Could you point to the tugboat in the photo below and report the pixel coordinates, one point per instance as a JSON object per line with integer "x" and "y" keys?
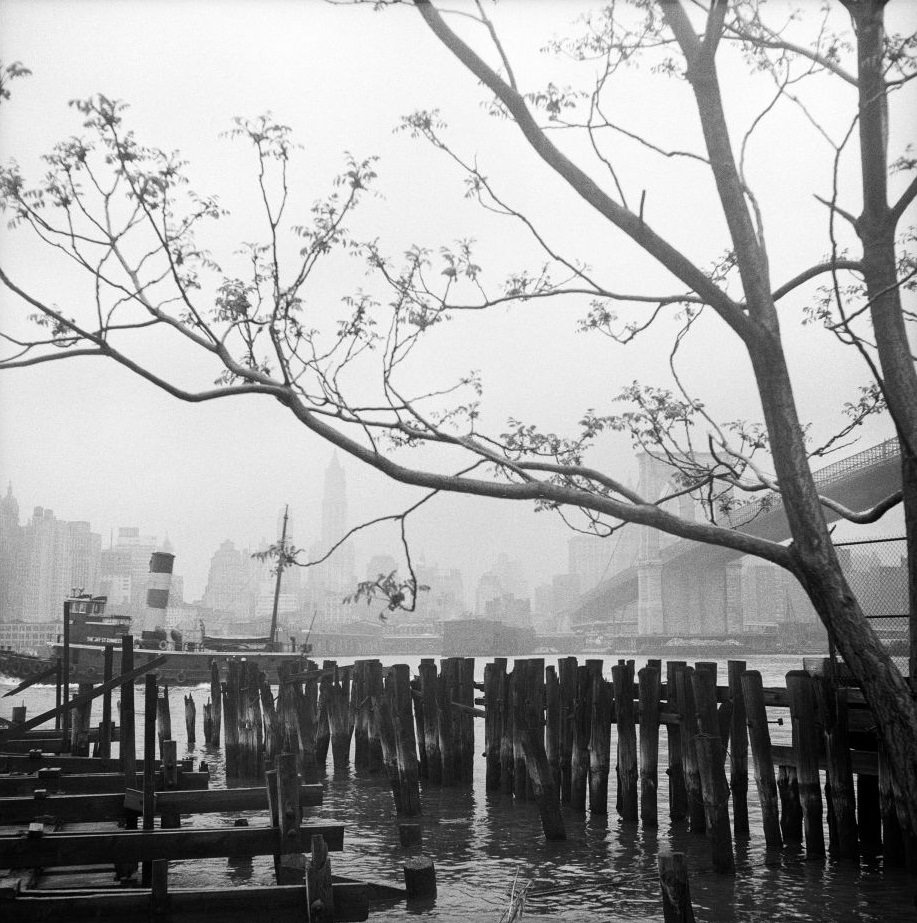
{"x": 87, "y": 629}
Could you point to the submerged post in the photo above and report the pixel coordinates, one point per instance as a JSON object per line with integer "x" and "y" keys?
{"x": 756, "y": 716}
{"x": 676, "y": 892}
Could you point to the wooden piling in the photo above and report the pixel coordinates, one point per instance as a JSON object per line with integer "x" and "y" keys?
{"x": 273, "y": 732}
{"x": 676, "y": 891}
{"x": 399, "y": 691}
{"x": 599, "y": 740}
{"x": 582, "y": 729}
{"x": 359, "y": 717}
{"x": 494, "y": 682}
{"x": 216, "y": 705}
{"x": 374, "y": 689}
{"x": 738, "y": 750}
{"x": 678, "y": 796}
{"x": 759, "y": 734}
{"x": 164, "y": 717}
{"x": 170, "y": 819}
{"x": 790, "y": 808}
{"x": 384, "y": 731}
{"x": 291, "y": 863}
{"x": 839, "y": 788}
{"x": 79, "y": 729}
{"x": 521, "y": 781}
{"x": 207, "y": 720}
{"x": 893, "y": 852}
{"x": 623, "y": 676}
{"x": 553, "y": 746}
{"x": 105, "y": 727}
{"x": 190, "y": 722}
{"x": 420, "y": 878}
{"x": 447, "y": 732}
{"x": 337, "y": 703}
{"x": 428, "y": 686}
{"x": 321, "y": 892}
{"x": 323, "y": 729}
{"x": 649, "y": 744}
{"x": 711, "y": 763}
{"x": 149, "y": 764}
{"x": 127, "y": 740}
{"x": 230, "y": 699}
{"x": 566, "y": 676}
{"x": 688, "y": 723}
{"x": 507, "y": 762}
{"x": 466, "y": 717}
{"x": 544, "y": 792}
{"x": 806, "y": 737}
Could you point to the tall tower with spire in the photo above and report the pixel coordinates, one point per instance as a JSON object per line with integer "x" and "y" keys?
{"x": 335, "y": 577}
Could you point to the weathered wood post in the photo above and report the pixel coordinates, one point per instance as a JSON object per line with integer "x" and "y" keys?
{"x": 892, "y": 838}
{"x": 420, "y": 878}
{"x": 374, "y": 689}
{"x": 738, "y": 750}
{"x": 170, "y": 819}
{"x": 291, "y": 862}
{"x": 79, "y": 730}
{"x": 338, "y": 709}
{"x": 127, "y": 746}
{"x": 623, "y": 676}
{"x": 254, "y": 721}
{"x": 599, "y": 739}
{"x": 649, "y": 745}
{"x": 164, "y": 716}
{"x": 711, "y": 763}
{"x": 521, "y": 780}
{"x": 321, "y": 891}
{"x": 149, "y": 766}
{"x": 229, "y": 695}
{"x": 215, "y": 704}
{"x": 323, "y": 729}
{"x": 833, "y": 700}
{"x": 273, "y": 732}
{"x": 790, "y": 808}
{"x": 190, "y": 721}
{"x": 494, "y": 681}
{"x": 105, "y": 727}
{"x": 466, "y": 717}
{"x": 684, "y": 686}
{"x": 384, "y": 729}
{"x": 553, "y": 745}
{"x": 428, "y": 685}
{"x": 359, "y": 717}
{"x": 207, "y": 720}
{"x": 676, "y": 892}
{"x": 678, "y": 795}
{"x": 507, "y": 761}
{"x": 544, "y": 791}
{"x": 806, "y": 736}
{"x": 756, "y": 716}
{"x": 582, "y": 728}
{"x": 566, "y": 675}
{"x": 449, "y": 756}
{"x": 399, "y": 690}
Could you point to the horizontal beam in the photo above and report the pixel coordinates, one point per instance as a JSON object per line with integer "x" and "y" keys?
{"x": 114, "y": 805}
{"x": 864, "y": 762}
{"x": 27, "y": 762}
{"x": 94, "y": 783}
{"x": 150, "y": 845}
{"x": 278, "y": 903}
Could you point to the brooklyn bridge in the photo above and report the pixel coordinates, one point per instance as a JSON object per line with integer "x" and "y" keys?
{"x": 661, "y": 586}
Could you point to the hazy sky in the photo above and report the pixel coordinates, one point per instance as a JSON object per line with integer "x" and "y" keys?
{"x": 92, "y": 442}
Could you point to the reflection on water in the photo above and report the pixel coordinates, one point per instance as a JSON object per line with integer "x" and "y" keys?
{"x": 606, "y": 870}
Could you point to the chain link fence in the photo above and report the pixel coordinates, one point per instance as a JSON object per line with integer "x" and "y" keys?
{"x": 877, "y": 572}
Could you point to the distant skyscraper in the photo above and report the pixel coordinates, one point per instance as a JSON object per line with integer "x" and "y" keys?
{"x": 336, "y": 576}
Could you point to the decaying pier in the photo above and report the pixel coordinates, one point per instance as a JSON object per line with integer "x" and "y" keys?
{"x": 570, "y": 738}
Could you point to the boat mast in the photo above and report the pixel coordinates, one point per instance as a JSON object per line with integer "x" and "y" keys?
{"x": 281, "y": 561}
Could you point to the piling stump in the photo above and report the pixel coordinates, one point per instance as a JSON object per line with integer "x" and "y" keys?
{"x": 566, "y": 677}
{"x": 676, "y": 891}
{"x": 806, "y": 736}
{"x": 321, "y": 893}
{"x": 649, "y": 745}
{"x": 216, "y": 697}
{"x": 428, "y": 689}
{"x": 688, "y": 723}
{"x": 623, "y": 676}
{"x": 678, "y": 796}
{"x": 420, "y": 878}
{"x": 756, "y": 716}
{"x": 738, "y": 750}
{"x": 582, "y": 729}
{"x": 600, "y": 742}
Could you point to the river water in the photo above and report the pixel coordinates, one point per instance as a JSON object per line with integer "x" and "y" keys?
{"x": 482, "y": 843}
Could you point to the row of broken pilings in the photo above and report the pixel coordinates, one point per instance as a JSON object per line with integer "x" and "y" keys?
{"x": 547, "y": 739}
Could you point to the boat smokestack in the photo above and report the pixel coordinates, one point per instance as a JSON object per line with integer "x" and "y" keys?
{"x": 157, "y": 594}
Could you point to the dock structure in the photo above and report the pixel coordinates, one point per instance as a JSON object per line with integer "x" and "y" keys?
{"x": 548, "y": 733}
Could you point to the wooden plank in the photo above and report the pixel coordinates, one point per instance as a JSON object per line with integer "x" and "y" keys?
{"x": 72, "y": 765}
{"x": 32, "y": 680}
{"x": 280, "y": 904}
{"x": 148, "y": 667}
{"x": 54, "y": 849}
{"x": 865, "y": 762}
{"x": 93, "y": 783}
